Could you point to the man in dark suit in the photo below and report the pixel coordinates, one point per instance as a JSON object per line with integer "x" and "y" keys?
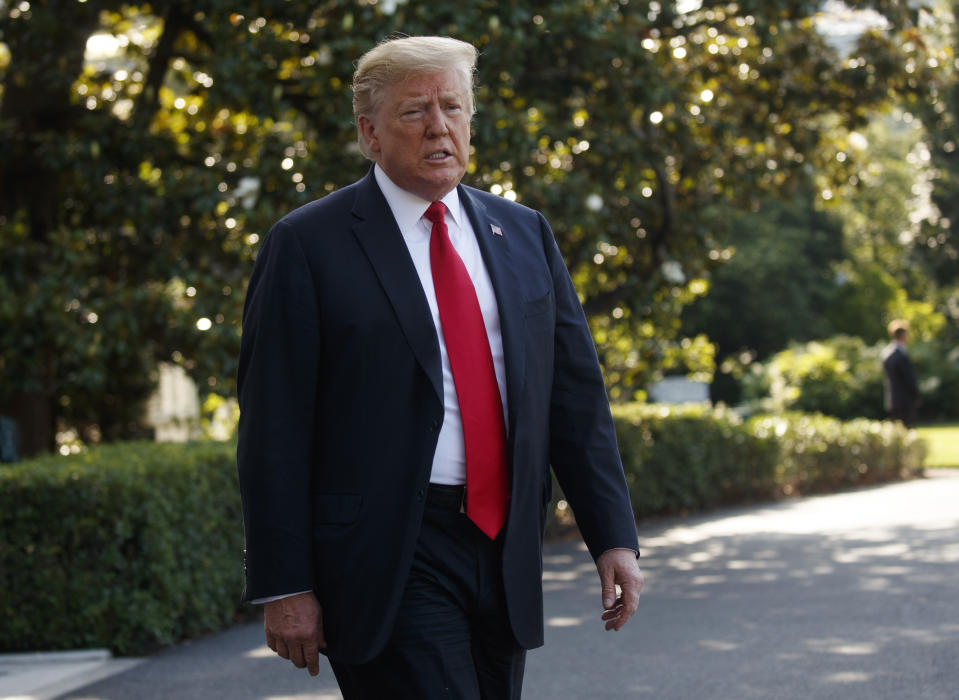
{"x": 414, "y": 359}
{"x": 899, "y": 378}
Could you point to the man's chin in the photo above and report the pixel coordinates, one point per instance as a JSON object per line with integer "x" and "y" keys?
{"x": 437, "y": 187}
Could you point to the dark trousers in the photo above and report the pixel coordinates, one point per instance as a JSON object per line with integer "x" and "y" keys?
{"x": 452, "y": 637}
{"x": 906, "y": 415}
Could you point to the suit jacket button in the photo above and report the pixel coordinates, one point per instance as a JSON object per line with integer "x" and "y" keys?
{"x": 420, "y": 494}
{"x": 435, "y": 426}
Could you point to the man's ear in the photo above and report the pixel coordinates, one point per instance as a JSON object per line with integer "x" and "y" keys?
{"x": 368, "y": 132}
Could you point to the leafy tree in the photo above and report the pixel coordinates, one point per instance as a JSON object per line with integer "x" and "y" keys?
{"x": 841, "y": 377}
{"x": 137, "y": 182}
{"x": 842, "y": 260}
{"x": 779, "y": 277}
{"x": 127, "y": 214}
{"x": 802, "y": 270}
{"x": 938, "y": 241}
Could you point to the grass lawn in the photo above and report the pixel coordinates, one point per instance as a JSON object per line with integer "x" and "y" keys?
{"x": 943, "y": 442}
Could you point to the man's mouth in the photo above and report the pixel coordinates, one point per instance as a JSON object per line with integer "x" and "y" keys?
{"x": 438, "y": 155}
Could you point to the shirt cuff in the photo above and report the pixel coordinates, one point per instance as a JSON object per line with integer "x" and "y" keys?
{"x": 270, "y": 599}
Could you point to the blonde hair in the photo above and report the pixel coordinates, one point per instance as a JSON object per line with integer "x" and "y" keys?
{"x": 394, "y": 60}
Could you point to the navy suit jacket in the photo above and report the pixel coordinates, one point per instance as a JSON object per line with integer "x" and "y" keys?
{"x": 900, "y": 384}
{"x": 341, "y": 399}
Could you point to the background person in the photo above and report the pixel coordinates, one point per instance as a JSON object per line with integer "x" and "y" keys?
{"x": 901, "y": 390}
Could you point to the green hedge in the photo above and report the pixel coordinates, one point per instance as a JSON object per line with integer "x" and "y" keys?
{"x": 136, "y": 545}
{"x": 680, "y": 459}
{"x": 686, "y": 458}
{"x": 820, "y": 454}
{"x": 128, "y": 546}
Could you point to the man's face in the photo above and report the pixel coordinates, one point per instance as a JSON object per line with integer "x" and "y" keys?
{"x": 420, "y": 134}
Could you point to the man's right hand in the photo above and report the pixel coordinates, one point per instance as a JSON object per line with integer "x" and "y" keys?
{"x": 294, "y": 630}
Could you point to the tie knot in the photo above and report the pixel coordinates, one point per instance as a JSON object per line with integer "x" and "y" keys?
{"x": 436, "y": 212}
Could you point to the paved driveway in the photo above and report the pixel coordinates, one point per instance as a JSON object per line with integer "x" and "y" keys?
{"x": 849, "y": 596}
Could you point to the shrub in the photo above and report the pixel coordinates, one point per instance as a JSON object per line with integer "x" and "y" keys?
{"x": 680, "y": 459}
{"x": 685, "y": 458}
{"x": 136, "y": 545}
{"x": 127, "y": 546}
{"x": 820, "y": 454}
{"x": 937, "y": 366}
{"x": 840, "y": 377}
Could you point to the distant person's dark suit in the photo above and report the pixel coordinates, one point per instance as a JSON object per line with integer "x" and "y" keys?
{"x": 341, "y": 403}
{"x": 900, "y": 385}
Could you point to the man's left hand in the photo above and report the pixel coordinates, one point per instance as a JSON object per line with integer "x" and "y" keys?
{"x": 618, "y": 567}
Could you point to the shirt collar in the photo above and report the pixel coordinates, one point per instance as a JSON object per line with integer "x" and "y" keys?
{"x": 407, "y": 207}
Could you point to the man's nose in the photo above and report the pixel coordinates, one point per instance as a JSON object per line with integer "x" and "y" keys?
{"x": 436, "y": 121}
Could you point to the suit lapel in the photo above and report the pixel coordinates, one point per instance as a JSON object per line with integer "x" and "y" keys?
{"x": 381, "y": 240}
{"x": 501, "y": 267}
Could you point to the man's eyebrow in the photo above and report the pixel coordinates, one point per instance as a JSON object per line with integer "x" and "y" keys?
{"x": 413, "y": 101}
{"x": 451, "y": 96}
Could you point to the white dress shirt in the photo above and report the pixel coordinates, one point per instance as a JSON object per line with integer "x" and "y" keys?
{"x": 449, "y": 460}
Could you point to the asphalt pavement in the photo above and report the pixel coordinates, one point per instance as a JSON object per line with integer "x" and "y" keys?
{"x": 847, "y": 596}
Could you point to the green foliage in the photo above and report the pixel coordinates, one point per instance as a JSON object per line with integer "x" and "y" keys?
{"x": 937, "y": 366}
{"x": 813, "y": 268}
{"x": 686, "y": 458}
{"x": 137, "y": 184}
{"x": 842, "y": 377}
{"x": 885, "y": 200}
{"x": 883, "y": 275}
{"x": 141, "y": 543}
{"x": 938, "y": 241}
{"x": 861, "y": 304}
{"x": 127, "y": 546}
{"x": 775, "y": 281}
{"x": 819, "y": 454}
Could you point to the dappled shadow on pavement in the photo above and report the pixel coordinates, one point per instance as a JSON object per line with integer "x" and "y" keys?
{"x": 849, "y": 596}
{"x": 845, "y": 596}
{"x": 234, "y": 665}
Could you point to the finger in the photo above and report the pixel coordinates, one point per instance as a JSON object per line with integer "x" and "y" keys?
{"x": 297, "y": 656}
{"x": 312, "y": 655}
{"x": 623, "y": 614}
{"x": 270, "y": 640}
{"x": 608, "y": 581}
{"x": 606, "y": 567}
{"x": 630, "y": 597}
{"x": 281, "y": 649}
{"x": 617, "y": 619}
{"x": 612, "y": 612}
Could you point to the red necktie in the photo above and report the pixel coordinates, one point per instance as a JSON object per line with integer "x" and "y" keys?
{"x": 484, "y": 430}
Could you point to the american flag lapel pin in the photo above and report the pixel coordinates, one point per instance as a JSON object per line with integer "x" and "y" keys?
{"x": 497, "y": 231}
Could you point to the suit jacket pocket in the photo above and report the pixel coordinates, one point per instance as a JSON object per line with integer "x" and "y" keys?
{"x": 538, "y": 312}
{"x": 336, "y": 508}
